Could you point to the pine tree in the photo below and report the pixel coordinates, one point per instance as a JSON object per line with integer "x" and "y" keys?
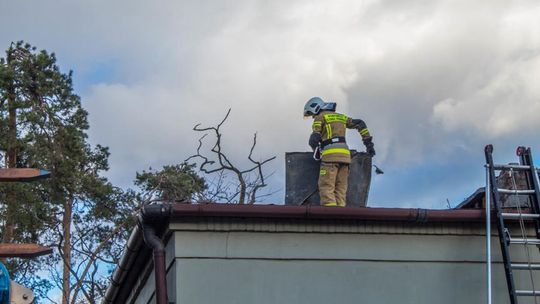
{"x": 43, "y": 125}
{"x": 77, "y": 210}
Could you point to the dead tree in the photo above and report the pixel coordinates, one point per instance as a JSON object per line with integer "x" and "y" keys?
{"x": 250, "y": 180}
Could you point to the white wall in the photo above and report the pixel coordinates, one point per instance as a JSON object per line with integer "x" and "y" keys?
{"x": 229, "y": 261}
{"x": 416, "y": 265}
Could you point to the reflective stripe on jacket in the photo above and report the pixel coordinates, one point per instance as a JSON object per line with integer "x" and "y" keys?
{"x": 332, "y": 125}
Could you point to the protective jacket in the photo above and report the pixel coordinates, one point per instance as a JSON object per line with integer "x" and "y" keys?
{"x": 329, "y": 131}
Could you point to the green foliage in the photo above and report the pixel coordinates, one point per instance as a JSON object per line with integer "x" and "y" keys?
{"x": 173, "y": 183}
{"x": 51, "y": 134}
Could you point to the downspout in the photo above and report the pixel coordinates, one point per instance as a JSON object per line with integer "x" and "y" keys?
{"x": 150, "y": 217}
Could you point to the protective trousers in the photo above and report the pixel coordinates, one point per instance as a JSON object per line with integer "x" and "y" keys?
{"x": 333, "y": 181}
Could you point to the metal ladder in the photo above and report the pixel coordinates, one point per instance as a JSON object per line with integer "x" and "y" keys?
{"x": 506, "y": 240}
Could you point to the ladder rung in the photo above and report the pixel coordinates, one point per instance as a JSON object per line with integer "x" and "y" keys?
{"x": 528, "y": 293}
{"x": 514, "y": 167}
{"x": 510, "y": 191}
{"x": 523, "y": 266}
{"x": 524, "y": 216}
{"x": 525, "y": 241}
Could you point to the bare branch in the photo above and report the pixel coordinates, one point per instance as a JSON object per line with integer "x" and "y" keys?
{"x": 78, "y": 285}
{"x": 260, "y": 182}
{"x": 223, "y": 164}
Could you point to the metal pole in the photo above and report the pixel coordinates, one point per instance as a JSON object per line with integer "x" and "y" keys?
{"x": 488, "y": 233}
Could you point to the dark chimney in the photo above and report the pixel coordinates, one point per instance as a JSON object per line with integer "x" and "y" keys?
{"x": 302, "y": 174}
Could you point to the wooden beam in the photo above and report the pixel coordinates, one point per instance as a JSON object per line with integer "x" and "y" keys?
{"x": 25, "y": 251}
{"x": 22, "y": 174}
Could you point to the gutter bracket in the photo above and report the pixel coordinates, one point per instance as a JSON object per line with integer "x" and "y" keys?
{"x": 422, "y": 216}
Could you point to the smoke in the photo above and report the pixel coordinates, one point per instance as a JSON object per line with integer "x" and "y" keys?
{"x": 434, "y": 80}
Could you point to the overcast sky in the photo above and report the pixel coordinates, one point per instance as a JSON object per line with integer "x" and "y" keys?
{"x": 434, "y": 80}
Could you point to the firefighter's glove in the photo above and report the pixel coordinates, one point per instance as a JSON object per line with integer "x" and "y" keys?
{"x": 370, "y": 150}
{"x": 314, "y": 140}
{"x": 370, "y": 147}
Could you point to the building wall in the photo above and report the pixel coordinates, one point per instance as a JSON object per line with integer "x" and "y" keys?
{"x": 276, "y": 262}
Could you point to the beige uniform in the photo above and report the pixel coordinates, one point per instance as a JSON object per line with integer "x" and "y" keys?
{"x": 335, "y": 156}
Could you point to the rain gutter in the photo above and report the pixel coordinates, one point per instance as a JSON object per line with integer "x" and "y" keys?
{"x": 152, "y": 220}
{"x": 151, "y": 216}
{"x": 317, "y": 212}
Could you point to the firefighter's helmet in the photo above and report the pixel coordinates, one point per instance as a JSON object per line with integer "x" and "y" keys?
{"x": 313, "y": 106}
{"x": 316, "y": 105}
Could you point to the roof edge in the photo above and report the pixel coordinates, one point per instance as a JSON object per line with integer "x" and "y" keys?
{"x": 180, "y": 211}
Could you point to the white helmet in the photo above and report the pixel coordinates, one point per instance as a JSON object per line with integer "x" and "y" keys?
{"x": 316, "y": 104}
{"x": 313, "y": 106}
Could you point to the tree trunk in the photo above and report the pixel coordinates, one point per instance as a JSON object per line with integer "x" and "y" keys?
{"x": 66, "y": 248}
{"x": 243, "y": 189}
{"x": 11, "y": 162}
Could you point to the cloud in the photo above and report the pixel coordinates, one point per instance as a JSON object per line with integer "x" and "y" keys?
{"x": 506, "y": 103}
{"x": 434, "y": 80}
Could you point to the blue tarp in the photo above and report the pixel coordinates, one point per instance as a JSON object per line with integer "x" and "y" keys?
{"x": 4, "y": 284}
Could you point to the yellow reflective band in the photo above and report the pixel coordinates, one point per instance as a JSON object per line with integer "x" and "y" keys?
{"x": 317, "y": 123}
{"x": 330, "y": 204}
{"x": 328, "y": 131}
{"x": 323, "y": 172}
{"x": 364, "y": 131}
{"x": 336, "y": 151}
{"x": 335, "y": 118}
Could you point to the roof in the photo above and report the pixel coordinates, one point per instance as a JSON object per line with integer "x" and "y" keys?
{"x": 137, "y": 256}
{"x": 505, "y": 181}
{"x": 475, "y": 200}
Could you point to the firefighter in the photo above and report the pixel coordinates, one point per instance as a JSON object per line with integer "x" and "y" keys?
{"x": 328, "y": 138}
